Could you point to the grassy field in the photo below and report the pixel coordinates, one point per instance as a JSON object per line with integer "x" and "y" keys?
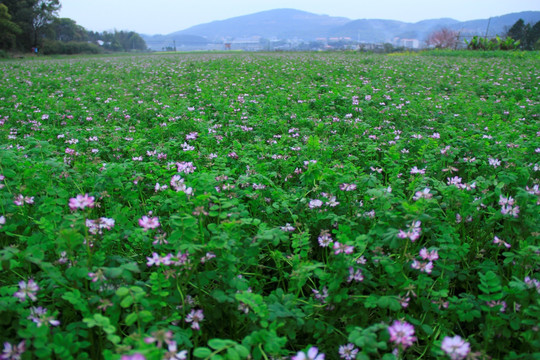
{"x": 269, "y": 206}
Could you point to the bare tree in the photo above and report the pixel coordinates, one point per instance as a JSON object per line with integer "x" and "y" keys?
{"x": 443, "y": 39}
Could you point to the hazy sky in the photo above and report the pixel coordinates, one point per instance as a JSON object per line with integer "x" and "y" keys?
{"x": 166, "y": 16}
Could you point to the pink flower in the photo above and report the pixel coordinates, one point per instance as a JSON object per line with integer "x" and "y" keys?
{"x": 348, "y": 352}
{"x": 500, "y": 242}
{"x": 149, "y": 223}
{"x": 173, "y": 354}
{"x": 27, "y": 289}
{"x": 19, "y": 200}
{"x": 154, "y": 260}
{"x": 355, "y": 275}
{"x": 455, "y": 347}
{"x": 12, "y": 352}
{"x": 194, "y": 317}
{"x": 402, "y": 334}
{"x": 347, "y": 187}
{"x": 315, "y": 203}
{"x": 136, "y": 356}
{"x": 312, "y": 354}
{"x": 429, "y": 255}
{"x": 413, "y": 232}
{"x": 2, "y": 220}
{"x": 81, "y": 202}
{"x": 342, "y": 248}
{"x": 424, "y": 194}
{"x": 38, "y": 315}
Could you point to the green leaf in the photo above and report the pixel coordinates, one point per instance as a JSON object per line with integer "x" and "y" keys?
{"x": 131, "y": 318}
{"x": 123, "y": 291}
{"x": 202, "y": 352}
{"x": 127, "y": 302}
{"x": 232, "y": 354}
{"x": 217, "y": 344}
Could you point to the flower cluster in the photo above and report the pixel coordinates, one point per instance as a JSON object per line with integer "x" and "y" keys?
{"x": 81, "y": 202}
{"x": 20, "y": 200}
{"x": 149, "y": 223}
{"x": 179, "y": 259}
{"x": 402, "y": 334}
{"x": 348, "y": 352}
{"x": 27, "y": 289}
{"x": 425, "y": 266}
{"x": 195, "y": 317}
{"x": 455, "y": 347}
{"x": 312, "y": 354}
{"x": 342, "y": 248}
{"x": 424, "y": 194}
{"x": 177, "y": 183}
{"x": 347, "y": 187}
{"x": 185, "y": 167}
{"x": 39, "y": 316}
{"x": 97, "y": 226}
{"x": 413, "y": 232}
{"x": 13, "y": 352}
{"x": 508, "y": 206}
{"x": 500, "y": 242}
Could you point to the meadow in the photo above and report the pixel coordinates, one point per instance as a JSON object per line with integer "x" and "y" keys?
{"x": 270, "y": 206}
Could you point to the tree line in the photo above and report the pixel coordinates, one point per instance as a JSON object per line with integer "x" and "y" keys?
{"x": 33, "y": 25}
{"x": 520, "y": 36}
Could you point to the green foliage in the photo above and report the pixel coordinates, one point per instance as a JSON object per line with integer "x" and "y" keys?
{"x": 260, "y": 205}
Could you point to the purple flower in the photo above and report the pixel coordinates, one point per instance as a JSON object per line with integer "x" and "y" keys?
{"x": 500, "y": 242}
{"x": 136, "y": 356}
{"x": 13, "y": 352}
{"x": 429, "y": 255}
{"x": 154, "y": 260}
{"x": 402, "y": 334}
{"x": 324, "y": 238}
{"x": 312, "y": 354}
{"x": 173, "y": 354}
{"x": 424, "y": 194}
{"x": 455, "y": 347}
{"x": 347, "y": 187}
{"x": 27, "y": 289}
{"x": 315, "y": 203}
{"x": 194, "y": 317}
{"x": 2, "y": 220}
{"x": 413, "y": 232}
{"x": 348, "y": 352}
{"x": 342, "y": 248}
{"x": 149, "y": 223}
{"x": 81, "y": 202}
{"x": 39, "y": 316}
{"x": 355, "y": 275}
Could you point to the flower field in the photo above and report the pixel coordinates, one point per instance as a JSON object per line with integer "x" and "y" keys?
{"x": 270, "y": 206}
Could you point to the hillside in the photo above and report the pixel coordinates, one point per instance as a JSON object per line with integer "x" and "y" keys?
{"x": 298, "y": 26}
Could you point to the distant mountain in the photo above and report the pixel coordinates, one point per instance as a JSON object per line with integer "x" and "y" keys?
{"x": 497, "y": 25}
{"x": 296, "y": 25}
{"x": 279, "y": 23}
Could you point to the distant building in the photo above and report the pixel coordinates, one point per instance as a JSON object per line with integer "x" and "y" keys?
{"x": 248, "y": 44}
{"x": 407, "y": 43}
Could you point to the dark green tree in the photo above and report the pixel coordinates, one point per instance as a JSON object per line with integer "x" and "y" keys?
{"x": 8, "y": 29}
{"x": 517, "y": 31}
{"x": 32, "y": 16}
{"x": 44, "y": 12}
{"x": 533, "y": 36}
{"x": 64, "y": 29}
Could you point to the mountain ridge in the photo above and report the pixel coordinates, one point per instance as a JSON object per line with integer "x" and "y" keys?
{"x": 297, "y": 25}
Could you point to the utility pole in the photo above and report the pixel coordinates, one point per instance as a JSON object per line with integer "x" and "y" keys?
{"x": 487, "y": 29}
{"x": 174, "y": 43}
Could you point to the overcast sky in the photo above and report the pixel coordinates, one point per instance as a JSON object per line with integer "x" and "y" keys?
{"x": 167, "y": 16}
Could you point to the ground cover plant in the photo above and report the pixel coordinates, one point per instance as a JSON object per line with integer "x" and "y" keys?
{"x": 270, "y": 206}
